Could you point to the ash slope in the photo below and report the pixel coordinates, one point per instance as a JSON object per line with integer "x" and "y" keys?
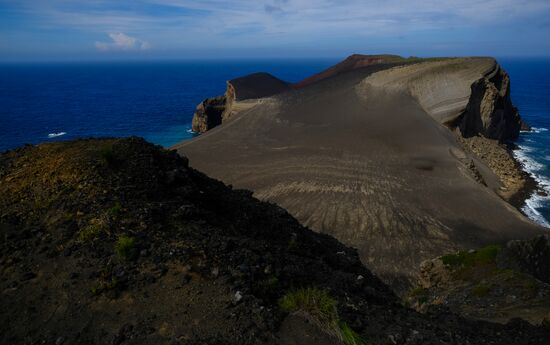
{"x": 206, "y": 264}
{"x": 365, "y": 156}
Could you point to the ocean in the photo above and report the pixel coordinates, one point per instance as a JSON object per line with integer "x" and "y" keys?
{"x": 530, "y": 85}
{"x": 156, "y": 100}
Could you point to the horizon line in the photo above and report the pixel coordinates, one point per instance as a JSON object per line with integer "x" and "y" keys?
{"x": 236, "y": 59}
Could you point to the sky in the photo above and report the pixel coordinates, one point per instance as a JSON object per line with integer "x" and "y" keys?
{"x": 35, "y": 30}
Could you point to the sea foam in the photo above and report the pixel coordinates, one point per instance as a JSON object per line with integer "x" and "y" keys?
{"x": 538, "y": 130}
{"x": 55, "y": 135}
{"x": 533, "y": 168}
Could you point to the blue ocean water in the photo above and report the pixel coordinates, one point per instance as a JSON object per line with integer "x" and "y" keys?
{"x": 530, "y": 83}
{"x": 156, "y": 100}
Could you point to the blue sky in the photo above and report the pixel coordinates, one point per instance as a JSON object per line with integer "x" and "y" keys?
{"x": 181, "y": 29}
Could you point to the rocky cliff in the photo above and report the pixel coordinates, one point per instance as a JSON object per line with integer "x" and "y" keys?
{"x": 495, "y": 283}
{"x": 209, "y": 114}
{"x": 471, "y": 97}
{"x": 530, "y": 257}
{"x": 117, "y": 241}
{"x": 241, "y": 94}
{"x": 490, "y": 112}
{"x": 369, "y": 156}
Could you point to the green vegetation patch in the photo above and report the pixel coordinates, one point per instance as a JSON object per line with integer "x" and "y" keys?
{"x": 267, "y": 286}
{"x": 315, "y": 302}
{"x": 321, "y": 307}
{"x": 95, "y": 229}
{"x": 349, "y": 336}
{"x": 418, "y": 295}
{"x": 125, "y": 247}
{"x": 464, "y": 259}
{"x": 105, "y": 286}
{"x": 418, "y": 291}
{"x": 115, "y": 210}
{"x": 481, "y": 290}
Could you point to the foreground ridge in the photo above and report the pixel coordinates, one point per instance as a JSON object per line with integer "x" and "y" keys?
{"x": 119, "y": 241}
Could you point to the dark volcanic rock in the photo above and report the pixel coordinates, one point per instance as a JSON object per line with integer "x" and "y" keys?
{"x": 256, "y": 85}
{"x": 531, "y": 257}
{"x": 525, "y": 126}
{"x": 214, "y": 272}
{"x": 351, "y": 63}
{"x": 490, "y": 111}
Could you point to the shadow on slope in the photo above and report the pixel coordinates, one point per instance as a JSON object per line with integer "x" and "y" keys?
{"x": 119, "y": 241}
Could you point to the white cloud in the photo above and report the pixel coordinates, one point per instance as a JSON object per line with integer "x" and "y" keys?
{"x": 121, "y": 41}
{"x": 293, "y": 16}
{"x": 215, "y": 24}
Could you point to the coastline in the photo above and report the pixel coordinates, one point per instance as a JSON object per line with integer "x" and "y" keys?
{"x": 512, "y": 166}
{"x": 512, "y": 180}
{"x": 528, "y": 198}
{"x": 530, "y": 186}
{"x": 382, "y": 185}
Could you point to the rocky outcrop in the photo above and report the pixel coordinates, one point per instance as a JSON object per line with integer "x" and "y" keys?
{"x": 241, "y": 94}
{"x": 531, "y": 257}
{"x": 254, "y": 86}
{"x": 525, "y": 126}
{"x": 471, "y": 96}
{"x": 209, "y": 114}
{"x": 490, "y": 111}
{"x": 492, "y": 283}
{"x": 512, "y": 181}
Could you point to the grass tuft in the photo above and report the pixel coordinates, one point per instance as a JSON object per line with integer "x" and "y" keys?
{"x": 349, "y": 336}
{"x": 315, "y": 302}
{"x": 125, "y": 247}
{"x": 115, "y": 210}
{"x": 321, "y": 307}
{"x": 95, "y": 228}
{"x": 105, "y": 286}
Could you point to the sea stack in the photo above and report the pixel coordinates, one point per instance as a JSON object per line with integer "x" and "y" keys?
{"x": 241, "y": 94}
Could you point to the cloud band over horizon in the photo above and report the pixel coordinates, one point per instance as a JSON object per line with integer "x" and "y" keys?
{"x": 214, "y": 28}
